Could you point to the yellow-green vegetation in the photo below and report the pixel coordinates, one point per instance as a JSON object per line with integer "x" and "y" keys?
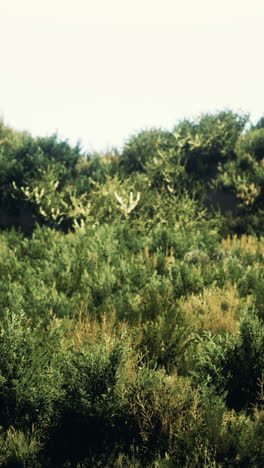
{"x": 132, "y": 299}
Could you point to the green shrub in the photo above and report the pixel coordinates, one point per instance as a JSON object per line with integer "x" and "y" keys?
{"x": 143, "y": 147}
{"x": 93, "y": 421}
{"x": 30, "y": 378}
{"x": 20, "y": 449}
{"x": 234, "y": 365}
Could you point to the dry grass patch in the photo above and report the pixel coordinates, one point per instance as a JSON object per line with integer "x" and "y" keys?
{"x": 214, "y": 309}
{"x": 246, "y": 243}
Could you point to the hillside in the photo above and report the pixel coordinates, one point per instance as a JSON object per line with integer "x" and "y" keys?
{"x": 132, "y": 299}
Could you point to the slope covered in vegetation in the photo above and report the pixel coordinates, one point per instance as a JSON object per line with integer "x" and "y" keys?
{"x": 132, "y": 299}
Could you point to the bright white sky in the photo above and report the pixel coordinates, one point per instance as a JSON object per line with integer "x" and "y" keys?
{"x": 100, "y": 70}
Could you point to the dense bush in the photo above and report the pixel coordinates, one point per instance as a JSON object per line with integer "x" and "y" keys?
{"x": 131, "y": 329}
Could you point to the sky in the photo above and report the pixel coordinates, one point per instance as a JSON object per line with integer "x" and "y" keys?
{"x": 99, "y": 71}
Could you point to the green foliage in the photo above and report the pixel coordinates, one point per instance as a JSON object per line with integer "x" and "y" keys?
{"x": 29, "y": 378}
{"x": 234, "y": 365}
{"x": 244, "y": 175}
{"x": 91, "y": 415}
{"x": 131, "y": 329}
{"x": 252, "y": 143}
{"x": 144, "y": 147}
{"x": 209, "y": 141}
{"x": 19, "y": 449}
{"x": 259, "y": 124}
